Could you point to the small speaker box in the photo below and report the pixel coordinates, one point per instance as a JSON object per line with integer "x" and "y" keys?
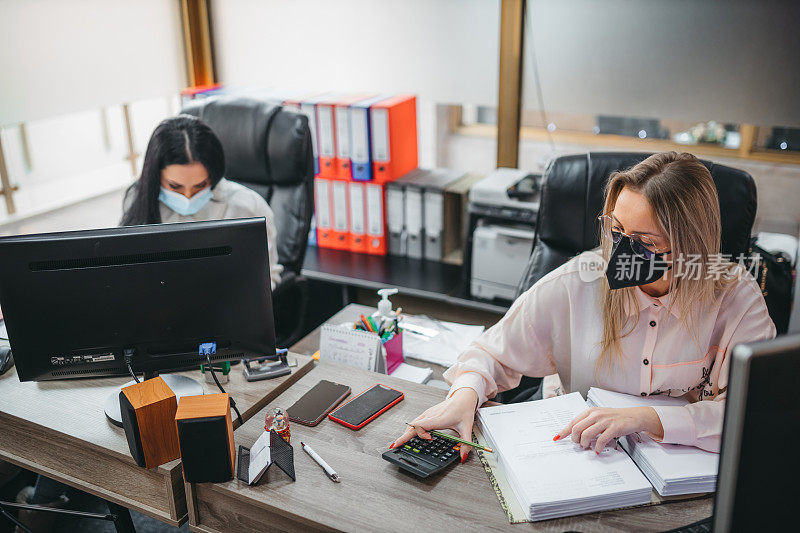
{"x": 148, "y": 410}
{"x": 205, "y": 436}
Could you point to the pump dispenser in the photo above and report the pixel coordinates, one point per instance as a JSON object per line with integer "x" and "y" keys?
{"x": 384, "y": 305}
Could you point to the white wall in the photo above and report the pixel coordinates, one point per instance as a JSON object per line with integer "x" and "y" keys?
{"x": 732, "y": 60}
{"x": 445, "y": 51}
{"x": 59, "y": 57}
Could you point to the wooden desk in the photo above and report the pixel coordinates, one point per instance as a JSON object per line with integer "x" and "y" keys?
{"x": 59, "y": 429}
{"x": 374, "y": 494}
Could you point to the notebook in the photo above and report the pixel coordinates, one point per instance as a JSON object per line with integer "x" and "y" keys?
{"x": 269, "y": 449}
{"x": 259, "y": 459}
{"x": 671, "y": 468}
{"x": 555, "y": 479}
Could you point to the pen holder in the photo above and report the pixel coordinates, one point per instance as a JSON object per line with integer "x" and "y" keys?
{"x": 394, "y": 352}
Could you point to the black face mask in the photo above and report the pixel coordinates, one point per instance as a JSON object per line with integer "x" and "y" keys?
{"x": 626, "y": 269}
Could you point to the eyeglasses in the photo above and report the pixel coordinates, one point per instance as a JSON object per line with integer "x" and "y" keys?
{"x": 641, "y": 245}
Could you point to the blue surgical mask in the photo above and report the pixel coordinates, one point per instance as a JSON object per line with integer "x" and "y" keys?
{"x": 182, "y": 205}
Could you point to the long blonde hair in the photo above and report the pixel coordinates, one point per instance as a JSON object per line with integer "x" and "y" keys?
{"x": 682, "y": 194}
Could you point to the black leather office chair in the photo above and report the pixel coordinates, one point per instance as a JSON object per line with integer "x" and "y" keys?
{"x": 268, "y": 149}
{"x": 572, "y": 199}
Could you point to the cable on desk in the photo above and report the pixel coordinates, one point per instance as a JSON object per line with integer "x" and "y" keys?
{"x": 207, "y": 349}
{"x": 127, "y": 353}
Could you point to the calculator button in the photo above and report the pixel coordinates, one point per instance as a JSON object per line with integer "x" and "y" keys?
{"x": 406, "y": 446}
{"x": 415, "y": 450}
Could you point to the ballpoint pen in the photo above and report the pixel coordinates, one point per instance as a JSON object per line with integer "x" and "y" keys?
{"x": 330, "y": 472}
{"x": 456, "y": 439}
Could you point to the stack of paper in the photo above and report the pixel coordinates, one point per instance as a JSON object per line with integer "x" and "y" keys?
{"x": 436, "y": 341}
{"x": 671, "y": 468}
{"x": 412, "y": 373}
{"x": 554, "y": 479}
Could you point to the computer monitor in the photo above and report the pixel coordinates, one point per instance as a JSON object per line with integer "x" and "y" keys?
{"x": 759, "y": 468}
{"x": 76, "y": 302}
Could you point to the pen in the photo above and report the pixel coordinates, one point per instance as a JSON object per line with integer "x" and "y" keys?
{"x": 330, "y": 472}
{"x": 451, "y": 437}
{"x": 366, "y": 324}
{"x": 372, "y": 324}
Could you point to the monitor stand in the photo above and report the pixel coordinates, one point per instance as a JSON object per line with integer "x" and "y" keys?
{"x": 180, "y": 385}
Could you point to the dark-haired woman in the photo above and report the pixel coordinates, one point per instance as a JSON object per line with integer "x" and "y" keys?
{"x": 182, "y": 181}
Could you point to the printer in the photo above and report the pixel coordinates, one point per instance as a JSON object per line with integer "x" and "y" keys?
{"x": 502, "y": 213}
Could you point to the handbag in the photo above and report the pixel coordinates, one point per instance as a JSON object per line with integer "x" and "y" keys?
{"x": 775, "y": 278}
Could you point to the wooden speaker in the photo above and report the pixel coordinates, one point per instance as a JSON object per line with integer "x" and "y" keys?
{"x": 205, "y": 436}
{"x": 148, "y": 410}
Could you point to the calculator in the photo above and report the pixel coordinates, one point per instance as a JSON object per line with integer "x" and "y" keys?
{"x": 422, "y": 457}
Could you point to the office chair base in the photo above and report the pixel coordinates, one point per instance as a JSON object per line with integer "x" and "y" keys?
{"x": 180, "y": 385}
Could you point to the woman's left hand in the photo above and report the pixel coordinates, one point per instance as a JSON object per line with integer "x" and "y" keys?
{"x": 607, "y": 424}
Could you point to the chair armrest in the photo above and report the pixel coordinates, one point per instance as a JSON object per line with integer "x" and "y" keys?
{"x": 288, "y": 280}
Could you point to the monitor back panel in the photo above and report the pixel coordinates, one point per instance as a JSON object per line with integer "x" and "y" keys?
{"x": 74, "y": 301}
{"x": 759, "y": 463}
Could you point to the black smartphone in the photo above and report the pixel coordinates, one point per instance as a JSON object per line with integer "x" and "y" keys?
{"x": 367, "y": 406}
{"x": 312, "y": 406}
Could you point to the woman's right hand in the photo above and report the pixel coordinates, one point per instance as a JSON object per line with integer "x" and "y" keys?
{"x": 457, "y": 413}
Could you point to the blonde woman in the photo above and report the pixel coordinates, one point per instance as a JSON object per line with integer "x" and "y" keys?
{"x": 662, "y": 320}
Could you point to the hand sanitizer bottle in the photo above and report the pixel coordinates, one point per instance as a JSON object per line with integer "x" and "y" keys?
{"x": 385, "y": 311}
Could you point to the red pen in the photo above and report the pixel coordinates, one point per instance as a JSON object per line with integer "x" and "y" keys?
{"x": 366, "y": 323}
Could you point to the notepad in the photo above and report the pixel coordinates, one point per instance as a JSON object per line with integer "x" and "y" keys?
{"x": 671, "y": 468}
{"x": 554, "y": 479}
{"x": 259, "y": 459}
{"x": 412, "y": 373}
{"x": 269, "y": 449}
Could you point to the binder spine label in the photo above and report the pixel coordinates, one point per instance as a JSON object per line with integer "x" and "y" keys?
{"x": 413, "y": 211}
{"x": 342, "y": 133}
{"x": 374, "y": 210}
{"x": 380, "y": 135}
{"x": 356, "y": 208}
{"x": 339, "y": 206}
{"x": 323, "y": 208}
{"x": 394, "y": 209}
{"x": 359, "y": 135}
{"x": 325, "y": 115}
{"x": 433, "y": 212}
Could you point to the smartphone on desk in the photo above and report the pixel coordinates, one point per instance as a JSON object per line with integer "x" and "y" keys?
{"x": 366, "y": 407}
{"x": 312, "y": 406}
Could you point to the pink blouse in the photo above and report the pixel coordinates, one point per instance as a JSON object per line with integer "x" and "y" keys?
{"x": 556, "y": 327}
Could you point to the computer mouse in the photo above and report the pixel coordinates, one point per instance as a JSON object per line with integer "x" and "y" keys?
{"x": 6, "y": 359}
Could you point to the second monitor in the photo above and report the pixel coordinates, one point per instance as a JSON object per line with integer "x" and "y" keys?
{"x": 87, "y": 303}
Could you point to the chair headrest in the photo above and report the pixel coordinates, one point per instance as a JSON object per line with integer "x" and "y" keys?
{"x": 572, "y": 198}
{"x": 264, "y": 143}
